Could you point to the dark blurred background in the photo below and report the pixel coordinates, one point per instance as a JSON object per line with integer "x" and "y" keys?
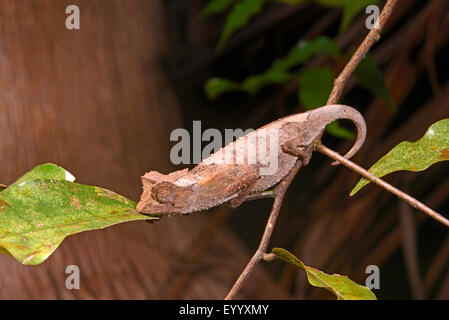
{"x": 102, "y": 101}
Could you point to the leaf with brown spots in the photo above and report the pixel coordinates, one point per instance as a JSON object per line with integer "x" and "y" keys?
{"x": 433, "y": 147}
{"x": 36, "y": 215}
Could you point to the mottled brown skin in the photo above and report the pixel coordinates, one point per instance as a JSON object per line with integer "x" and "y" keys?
{"x": 213, "y": 182}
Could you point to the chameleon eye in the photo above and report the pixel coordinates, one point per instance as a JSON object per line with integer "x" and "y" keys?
{"x": 161, "y": 192}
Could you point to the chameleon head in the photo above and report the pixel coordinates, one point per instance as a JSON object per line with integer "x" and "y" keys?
{"x": 164, "y": 197}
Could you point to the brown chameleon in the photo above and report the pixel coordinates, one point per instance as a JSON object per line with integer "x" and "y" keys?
{"x": 229, "y": 176}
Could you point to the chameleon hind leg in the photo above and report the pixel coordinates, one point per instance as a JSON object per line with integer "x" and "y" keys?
{"x": 244, "y": 188}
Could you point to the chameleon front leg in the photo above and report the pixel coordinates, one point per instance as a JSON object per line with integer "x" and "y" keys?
{"x": 294, "y": 148}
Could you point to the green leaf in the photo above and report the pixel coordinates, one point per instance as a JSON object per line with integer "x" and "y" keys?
{"x": 343, "y": 287}
{"x": 36, "y": 215}
{"x": 335, "y": 129}
{"x": 371, "y": 78}
{"x": 240, "y": 14}
{"x": 351, "y": 8}
{"x": 304, "y": 50}
{"x": 433, "y": 147}
{"x": 315, "y": 86}
{"x": 292, "y": 2}
{"x": 46, "y": 171}
{"x": 278, "y": 72}
{"x": 215, "y": 7}
{"x": 214, "y": 87}
{"x": 43, "y": 171}
{"x": 253, "y": 84}
{"x": 3, "y": 251}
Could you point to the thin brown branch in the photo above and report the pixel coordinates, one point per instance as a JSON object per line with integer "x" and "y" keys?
{"x": 372, "y": 37}
{"x": 368, "y": 175}
{"x": 279, "y": 191}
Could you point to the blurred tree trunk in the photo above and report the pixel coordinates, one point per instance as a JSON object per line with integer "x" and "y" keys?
{"x": 96, "y": 102}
